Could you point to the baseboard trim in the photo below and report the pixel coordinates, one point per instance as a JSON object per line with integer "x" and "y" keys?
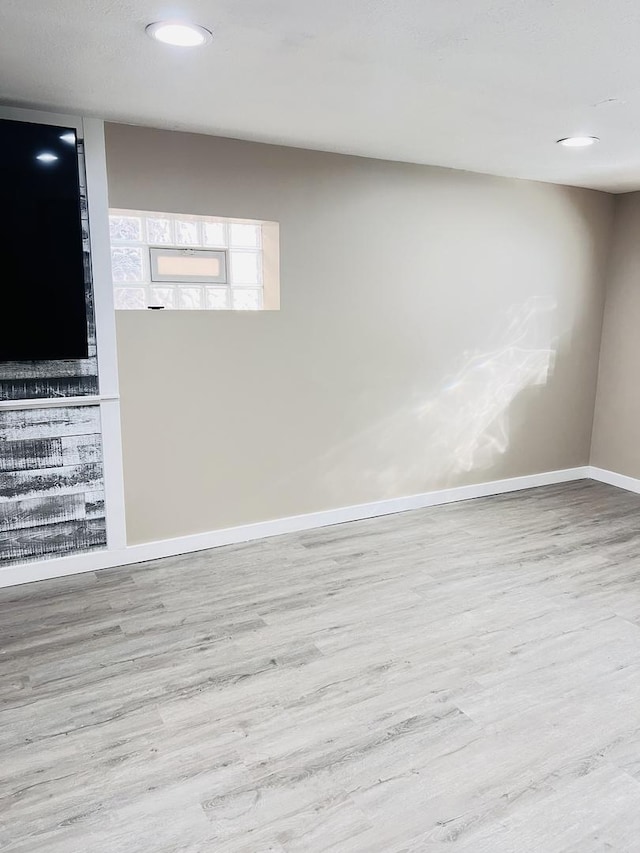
{"x": 96, "y": 560}
{"x": 631, "y": 484}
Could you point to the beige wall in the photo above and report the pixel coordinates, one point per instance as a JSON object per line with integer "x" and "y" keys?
{"x": 616, "y": 431}
{"x": 437, "y": 328}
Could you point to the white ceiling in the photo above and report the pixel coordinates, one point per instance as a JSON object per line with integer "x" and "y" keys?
{"x": 485, "y": 85}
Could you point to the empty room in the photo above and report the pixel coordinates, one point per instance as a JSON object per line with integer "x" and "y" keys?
{"x": 319, "y": 427}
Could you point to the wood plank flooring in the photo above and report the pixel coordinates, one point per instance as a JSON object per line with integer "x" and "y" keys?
{"x": 464, "y": 678}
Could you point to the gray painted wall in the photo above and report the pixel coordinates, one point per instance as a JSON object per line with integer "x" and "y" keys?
{"x": 437, "y": 328}
{"x": 616, "y": 431}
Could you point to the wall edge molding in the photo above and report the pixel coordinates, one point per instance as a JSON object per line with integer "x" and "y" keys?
{"x": 612, "y": 478}
{"x": 95, "y": 560}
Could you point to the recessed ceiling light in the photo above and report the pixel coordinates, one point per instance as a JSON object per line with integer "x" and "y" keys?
{"x": 69, "y": 137}
{"x": 578, "y": 141}
{"x": 178, "y": 33}
{"x": 46, "y": 157}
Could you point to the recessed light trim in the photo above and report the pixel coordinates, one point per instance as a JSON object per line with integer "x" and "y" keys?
{"x": 179, "y": 33}
{"x": 577, "y": 141}
{"x": 47, "y": 157}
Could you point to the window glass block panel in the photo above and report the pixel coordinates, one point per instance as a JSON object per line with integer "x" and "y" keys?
{"x": 244, "y": 235}
{"x": 187, "y": 232}
{"x": 214, "y": 234}
{"x": 217, "y": 298}
{"x": 159, "y": 231}
{"x": 126, "y": 263}
{"x": 247, "y": 299}
{"x": 245, "y": 268}
{"x": 186, "y": 261}
{"x": 129, "y": 297}
{"x": 190, "y": 298}
{"x": 125, "y": 229}
{"x": 165, "y": 296}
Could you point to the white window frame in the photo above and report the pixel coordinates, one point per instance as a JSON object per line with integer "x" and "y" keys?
{"x": 170, "y": 252}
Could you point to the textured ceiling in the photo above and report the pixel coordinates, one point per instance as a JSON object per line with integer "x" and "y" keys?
{"x": 486, "y": 85}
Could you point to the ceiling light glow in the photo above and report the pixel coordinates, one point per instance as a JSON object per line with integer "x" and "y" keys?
{"x": 46, "y": 157}
{"x": 179, "y": 34}
{"x": 69, "y": 137}
{"x": 578, "y": 141}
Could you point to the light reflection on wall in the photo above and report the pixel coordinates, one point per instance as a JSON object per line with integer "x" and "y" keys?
{"x": 462, "y": 426}
{"x": 470, "y": 412}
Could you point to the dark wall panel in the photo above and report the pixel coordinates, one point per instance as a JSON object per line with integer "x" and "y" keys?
{"x": 24, "y": 380}
{"x": 51, "y": 470}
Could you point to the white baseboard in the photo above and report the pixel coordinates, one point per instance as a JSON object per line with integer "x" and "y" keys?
{"x": 631, "y": 484}
{"x": 95, "y": 560}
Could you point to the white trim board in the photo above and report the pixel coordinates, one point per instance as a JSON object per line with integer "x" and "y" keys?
{"x": 631, "y": 484}
{"x": 95, "y": 560}
{"x": 97, "y": 199}
{"x": 53, "y": 402}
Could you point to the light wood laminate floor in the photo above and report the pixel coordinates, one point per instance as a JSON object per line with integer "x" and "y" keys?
{"x": 464, "y": 678}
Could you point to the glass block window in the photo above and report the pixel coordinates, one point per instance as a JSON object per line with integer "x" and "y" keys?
{"x": 193, "y": 263}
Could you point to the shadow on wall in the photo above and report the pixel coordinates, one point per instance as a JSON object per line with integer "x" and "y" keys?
{"x": 463, "y": 426}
